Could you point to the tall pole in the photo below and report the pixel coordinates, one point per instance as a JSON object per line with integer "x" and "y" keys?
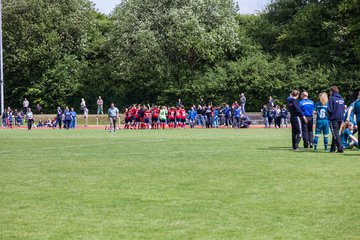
{"x": 1, "y": 62}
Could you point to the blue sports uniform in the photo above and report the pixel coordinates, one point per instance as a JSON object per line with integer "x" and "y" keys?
{"x": 345, "y": 138}
{"x": 351, "y": 118}
{"x": 322, "y": 124}
{"x": 307, "y": 108}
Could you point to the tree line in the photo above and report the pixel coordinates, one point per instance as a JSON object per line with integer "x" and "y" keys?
{"x": 157, "y": 51}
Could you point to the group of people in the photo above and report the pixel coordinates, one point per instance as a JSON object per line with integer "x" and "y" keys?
{"x": 331, "y": 115}
{"x": 276, "y": 114}
{"x": 140, "y": 116}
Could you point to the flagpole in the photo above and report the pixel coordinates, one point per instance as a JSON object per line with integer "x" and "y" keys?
{"x": 1, "y": 62}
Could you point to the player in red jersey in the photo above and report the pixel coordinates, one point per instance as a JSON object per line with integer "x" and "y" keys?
{"x": 128, "y": 119}
{"x": 137, "y": 117}
{"x": 183, "y": 116}
{"x": 178, "y": 117}
{"x": 171, "y": 117}
{"x": 147, "y": 116}
{"x": 133, "y": 115}
{"x": 142, "y": 117}
{"x": 155, "y": 117}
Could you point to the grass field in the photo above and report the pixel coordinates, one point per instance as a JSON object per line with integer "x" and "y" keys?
{"x": 174, "y": 184}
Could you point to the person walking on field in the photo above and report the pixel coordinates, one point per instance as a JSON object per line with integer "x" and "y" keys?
{"x": 113, "y": 114}
{"x": 295, "y": 118}
{"x": 242, "y": 102}
{"x": 29, "y": 118}
{"x": 336, "y": 110}
{"x": 100, "y": 104}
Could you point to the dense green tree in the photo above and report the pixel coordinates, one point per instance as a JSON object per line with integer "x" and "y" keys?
{"x": 44, "y": 47}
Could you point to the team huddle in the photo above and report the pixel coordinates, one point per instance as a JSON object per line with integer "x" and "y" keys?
{"x": 331, "y": 115}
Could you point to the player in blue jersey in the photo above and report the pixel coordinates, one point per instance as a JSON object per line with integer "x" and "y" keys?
{"x": 322, "y": 121}
{"x": 73, "y": 119}
{"x": 307, "y": 108}
{"x": 357, "y": 115}
{"x": 347, "y": 138}
{"x": 349, "y": 116}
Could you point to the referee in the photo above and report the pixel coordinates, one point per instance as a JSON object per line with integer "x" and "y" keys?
{"x": 336, "y": 110}
{"x": 295, "y": 118}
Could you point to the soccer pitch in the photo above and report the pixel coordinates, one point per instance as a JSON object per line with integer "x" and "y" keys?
{"x": 174, "y": 184}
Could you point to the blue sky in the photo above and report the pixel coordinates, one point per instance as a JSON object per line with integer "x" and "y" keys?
{"x": 246, "y": 6}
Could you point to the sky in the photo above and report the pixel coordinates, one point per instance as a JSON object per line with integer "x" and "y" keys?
{"x": 246, "y": 6}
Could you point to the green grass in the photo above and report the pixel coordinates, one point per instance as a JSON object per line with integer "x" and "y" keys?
{"x": 180, "y": 184}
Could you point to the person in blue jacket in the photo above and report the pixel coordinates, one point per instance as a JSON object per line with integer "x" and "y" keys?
{"x": 237, "y": 113}
{"x": 227, "y": 112}
{"x": 307, "y": 108}
{"x": 216, "y": 118}
{"x": 336, "y": 110}
{"x": 73, "y": 119}
{"x": 192, "y": 114}
{"x": 67, "y": 118}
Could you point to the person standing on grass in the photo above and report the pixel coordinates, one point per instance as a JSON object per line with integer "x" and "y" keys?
{"x": 277, "y": 116}
{"x": 67, "y": 117}
{"x": 242, "y": 102}
{"x": 265, "y": 114}
{"x": 322, "y": 121}
{"x": 295, "y": 118}
{"x": 357, "y": 115}
{"x": 284, "y": 116}
{"x": 113, "y": 114}
{"x": 100, "y": 104}
{"x": 162, "y": 115}
{"x": 25, "y": 105}
{"x": 29, "y": 118}
{"x": 4, "y": 117}
{"x": 59, "y": 115}
{"x": 73, "y": 118}
{"x": 271, "y": 115}
{"x": 336, "y": 110}
{"x": 307, "y": 107}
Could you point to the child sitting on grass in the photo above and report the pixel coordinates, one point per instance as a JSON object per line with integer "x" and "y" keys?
{"x": 347, "y": 138}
